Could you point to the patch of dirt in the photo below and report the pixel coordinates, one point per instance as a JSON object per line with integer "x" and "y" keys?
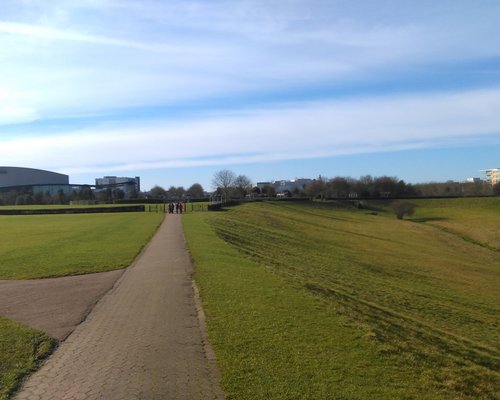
{"x": 54, "y": 305}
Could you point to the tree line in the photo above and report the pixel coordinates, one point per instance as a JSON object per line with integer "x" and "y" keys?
{"x": 392, "y": 187}
{"x": 195, "y": 191}
{"x": 27, "y": 196}
{"x": 228, "y": 185}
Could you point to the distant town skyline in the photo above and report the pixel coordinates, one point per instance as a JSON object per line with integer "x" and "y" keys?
{"x": 175, "y": 91}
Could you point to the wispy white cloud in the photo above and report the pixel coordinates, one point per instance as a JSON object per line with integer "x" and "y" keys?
{"x": 288, "y": 132}
{"x": 82, "y": 57}
{"x": 13, "y": 109}
{"x": 51, "y": 33}
{"x": 79, "y": 56}
{"x": 10, "y": 114}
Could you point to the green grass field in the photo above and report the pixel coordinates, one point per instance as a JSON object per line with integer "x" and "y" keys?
{"x": 40, "y": 246}
{"x": 325, "y": 302}
{"x": 21, "y": 350}
{"x": 475, "y": 220}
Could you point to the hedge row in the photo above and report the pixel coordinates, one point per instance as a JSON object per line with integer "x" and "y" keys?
{"x": 87, "y": 210}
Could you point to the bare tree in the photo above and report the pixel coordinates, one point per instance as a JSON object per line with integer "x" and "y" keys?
{"x": 157, "y": 192}
{"x": 195, "y": 191}
{"x": 496, "y": 189}
{"x": 175, "y": 192}
{"x": 224, "y": 180}
{"x": 317, "y": 188}
{"x": 269, "y": 191}
{"x": 340, "y": 187}
{"x": 242, "y": 185}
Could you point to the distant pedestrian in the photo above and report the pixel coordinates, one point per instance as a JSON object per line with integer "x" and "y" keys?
{"x": 177, "y": 208}
{"x": 181, "y": 207}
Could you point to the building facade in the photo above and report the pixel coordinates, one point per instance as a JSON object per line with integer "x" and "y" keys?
{"x": 286, "y": 185}
{"x": 492, "y": 175}
{"x": 129, "y": 186}
{"x": 30, "y": 185}
{"x": 34, "y": 180}
{"x": 291, "y": 185}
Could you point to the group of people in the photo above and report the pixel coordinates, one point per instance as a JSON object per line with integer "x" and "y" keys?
{"x": 177, "y": 207}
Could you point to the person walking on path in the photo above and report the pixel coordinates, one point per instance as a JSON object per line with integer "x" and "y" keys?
{"x": 143, "y": 340}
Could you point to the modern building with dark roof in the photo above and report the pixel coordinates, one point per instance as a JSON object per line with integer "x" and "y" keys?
{"x": 17, "y": 176}
{"x": 30, "y": 181}
{"x": 19, "y": 181}
{"x": 37, "y": 180}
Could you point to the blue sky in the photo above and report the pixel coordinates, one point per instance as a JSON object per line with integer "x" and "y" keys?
{"x": 174, "y": 91}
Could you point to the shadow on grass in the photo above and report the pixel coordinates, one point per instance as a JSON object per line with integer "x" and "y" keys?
{"x": 427, "y": 219}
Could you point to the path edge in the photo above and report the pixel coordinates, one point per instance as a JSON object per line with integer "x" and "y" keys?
{"x": 208, "y": 350}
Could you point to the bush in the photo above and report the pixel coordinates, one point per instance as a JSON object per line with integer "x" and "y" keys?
{"x": 402, "y": 208}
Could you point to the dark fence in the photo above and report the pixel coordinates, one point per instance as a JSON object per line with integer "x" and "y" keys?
{"x": 88, "y": 210}
{"x": 197, "y": 206}
{"x": 219, "y": 206}
{"x": 157, "y": 208}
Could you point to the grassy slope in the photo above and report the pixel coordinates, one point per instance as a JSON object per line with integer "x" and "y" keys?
{"x": 476, "y": 220}
{"x": 36, "y": 246}
{"x": 421, "y": 303}
{"x": 275, "y": 341}
{"x": 21, "y": 349}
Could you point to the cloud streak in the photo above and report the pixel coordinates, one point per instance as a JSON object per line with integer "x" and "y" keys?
{"x": 50, "y": 33}
{"x": 101, "y": 55}
{"x": 292, "y": 131}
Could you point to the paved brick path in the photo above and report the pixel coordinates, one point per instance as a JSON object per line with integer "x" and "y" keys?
{"x": 143, "y": 340}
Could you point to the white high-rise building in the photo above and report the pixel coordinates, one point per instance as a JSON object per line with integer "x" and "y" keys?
{"x": 492, "y": 175}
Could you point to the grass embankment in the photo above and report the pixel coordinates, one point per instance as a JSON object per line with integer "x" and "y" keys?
{"x": 475, "y": 220}
{"x": 40, "y": 246}
{"x": 21, "y": 350}
{"x": 319, "y": 302}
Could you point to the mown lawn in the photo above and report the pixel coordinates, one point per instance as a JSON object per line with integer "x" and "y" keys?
{"x": 476, "y": 220}
{"x": 40, "y": 246}
{"x": 322, "y": 302}
{"x": 21, "y": 350}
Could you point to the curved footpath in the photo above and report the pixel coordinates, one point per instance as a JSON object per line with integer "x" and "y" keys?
{"x": 143, "y": 340}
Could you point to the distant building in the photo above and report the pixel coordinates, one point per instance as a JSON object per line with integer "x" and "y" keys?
{"x": 291, "y": 185}
{"x": 492, "y": 175}
{"x": 33, "y": 180}
{"x": 262, "y": 185}
{"x": 473, "y": 180}
{"x": 30, "y": 181}
{"x": 129, "y": 186}
{"x": 286, "y": 185}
